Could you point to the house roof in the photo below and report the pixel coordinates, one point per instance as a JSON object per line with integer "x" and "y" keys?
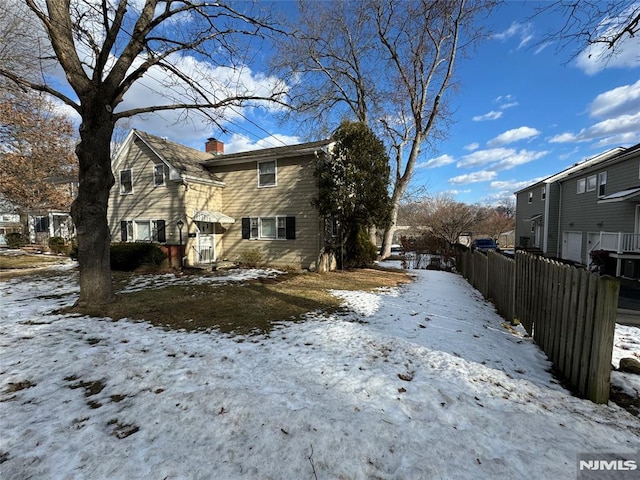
{"x": 269, "y": 153}
{"x": 185, "y": 160}
{"x": 578, "y": 167}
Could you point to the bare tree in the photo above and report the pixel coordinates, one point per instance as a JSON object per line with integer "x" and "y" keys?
{"x": 496, "y": 221}
{"x": 449, "y": 219}
{"x": 386, "y": 62}
{"x": 604, "y": 23}
{"x": 104, "y": 49}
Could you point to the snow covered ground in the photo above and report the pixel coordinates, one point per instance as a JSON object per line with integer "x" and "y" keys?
{"x": 421, "y": 381}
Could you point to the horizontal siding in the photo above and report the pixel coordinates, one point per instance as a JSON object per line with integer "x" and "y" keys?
{"x": 292, "y": 196}
{"x": 582, "y": 213}
{"x": 200, "y": 198}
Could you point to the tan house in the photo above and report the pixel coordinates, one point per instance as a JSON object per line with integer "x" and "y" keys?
{"x": 226, "y": 205}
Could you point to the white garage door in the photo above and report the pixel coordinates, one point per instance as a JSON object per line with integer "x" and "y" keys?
{"x": 572, "y": 246}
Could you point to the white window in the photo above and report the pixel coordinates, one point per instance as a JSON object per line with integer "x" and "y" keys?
{"x": 582, "y": 185}
{"x": 530, "y": 197}
{"x": 602, "y": 180}
{"x": 267, "y": 174}
{"x": 143, "y": 231}
{"x": 126, "y": 181}
{"x": 544, "y": 192}
{"x": 270, "y": 228}
{"x": 591, "y": 183}
{"x": 159, "y": 174}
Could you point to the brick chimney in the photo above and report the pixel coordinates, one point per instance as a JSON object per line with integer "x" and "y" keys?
{"x": 214, "y": 146}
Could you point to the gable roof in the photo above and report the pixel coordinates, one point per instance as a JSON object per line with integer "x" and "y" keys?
{"x": 577, "y": 167}
{"x": 183, "y": 162}
{"x": 288, "y": 151}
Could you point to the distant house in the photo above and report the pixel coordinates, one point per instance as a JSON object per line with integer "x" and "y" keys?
{"x": 37, "y": 226}
{"x": 227, "y": 205}
{"x": 593, "y": 205}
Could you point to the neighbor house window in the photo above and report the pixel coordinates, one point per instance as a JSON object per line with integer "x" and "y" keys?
{"x": 544, "y": 193}
{"x": 269, "y": 228}
{"x": 530, "y": 197}
{"x": 126, "y": 181}
{"x": 267, "y": 174}
{"x": 602, "y": 181}
{"x": 159, "y": 174}
{"x": 591, "y": 183}
{"x": 582, "y": 185}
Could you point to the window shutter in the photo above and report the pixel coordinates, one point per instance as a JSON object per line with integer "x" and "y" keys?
{"x": 246, "y": 228}
{"x": 160, "y": 226}
{"x": 291, "y": 228}
{"x": 123, "y": 231}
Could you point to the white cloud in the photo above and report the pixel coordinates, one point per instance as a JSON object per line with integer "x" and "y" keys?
{"x": 522, "y": 31}
{"x": 240, "y": 143}
{"x": 472, "y": 146}
{"x": 492, "y": 115}
{"x": 509, "y": 105}
{"x": 440, "y": 161}
{"x": 513, "y": 135}
{"x": 513, "y": 185}
{"x": 614, "y": 126}
{"x": 496, "y": 159}
{"x": 620, "y": 100}
{"x": 597, "y": 57}
{"x": 520, "y": 158}
{"x": 484, "y": 157}
{"x": 628, "y": 138}
{"x": 476, "y": 177}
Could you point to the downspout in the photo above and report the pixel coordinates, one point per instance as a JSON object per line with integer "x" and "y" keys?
{"x": 545, "y": 231}
{"x": 558, "y": 246}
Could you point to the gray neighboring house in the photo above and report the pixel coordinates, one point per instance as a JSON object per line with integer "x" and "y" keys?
{"x": 593, "y": 205}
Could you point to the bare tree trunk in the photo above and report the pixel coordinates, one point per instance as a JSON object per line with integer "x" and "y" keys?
{"x": 89, "y": 209}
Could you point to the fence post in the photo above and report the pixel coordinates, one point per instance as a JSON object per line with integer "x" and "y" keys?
{"x": 602, "y": 340}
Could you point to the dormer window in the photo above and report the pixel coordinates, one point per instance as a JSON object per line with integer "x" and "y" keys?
{"x": 267, "y": 174}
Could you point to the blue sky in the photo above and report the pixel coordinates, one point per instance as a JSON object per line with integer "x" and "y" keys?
{"x": 523, "y": 110}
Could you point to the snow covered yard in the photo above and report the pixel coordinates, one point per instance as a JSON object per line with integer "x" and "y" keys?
{"x": 420, "y": 381}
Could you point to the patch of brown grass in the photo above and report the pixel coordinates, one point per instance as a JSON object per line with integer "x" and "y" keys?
{"x": 246, "y": 307}
{"x": 28, "y": 261}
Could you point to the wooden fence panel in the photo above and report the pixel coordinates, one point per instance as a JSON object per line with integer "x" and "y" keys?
{"x": 569, "y": 312}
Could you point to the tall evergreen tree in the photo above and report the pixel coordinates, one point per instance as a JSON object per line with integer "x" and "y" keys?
{"x": 354, "y": 191}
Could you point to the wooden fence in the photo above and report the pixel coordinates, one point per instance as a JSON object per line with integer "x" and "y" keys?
{"x": 569, "y": 312}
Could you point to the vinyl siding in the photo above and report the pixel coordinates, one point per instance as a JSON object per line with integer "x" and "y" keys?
{"x": 524, "y": 209}
{"x": 292, "y": 196}
{"x": 582, "y": 213}
{"x": 170, "y": 202}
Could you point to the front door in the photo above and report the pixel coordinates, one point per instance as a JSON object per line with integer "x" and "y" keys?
{"x": 206, "y": 244}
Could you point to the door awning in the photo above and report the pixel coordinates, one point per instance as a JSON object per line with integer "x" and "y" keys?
{"x": 212, "y": 217}
{"x": 533, "y": 218}
{"x": 621, "y": 196}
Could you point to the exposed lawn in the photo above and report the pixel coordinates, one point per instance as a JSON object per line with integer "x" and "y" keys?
{"x": 27, "y": 261}
{"x": 247, "y": 307}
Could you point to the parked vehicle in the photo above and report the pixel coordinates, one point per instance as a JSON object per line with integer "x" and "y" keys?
{"x": 484, "y": 245}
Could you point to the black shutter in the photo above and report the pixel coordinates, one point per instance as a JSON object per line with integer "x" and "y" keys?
{"x": 291, "y": 228}
{"x": 123, "y": 231}
{"x": 246, "y": 228}
{"x": 162, "y": 236}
